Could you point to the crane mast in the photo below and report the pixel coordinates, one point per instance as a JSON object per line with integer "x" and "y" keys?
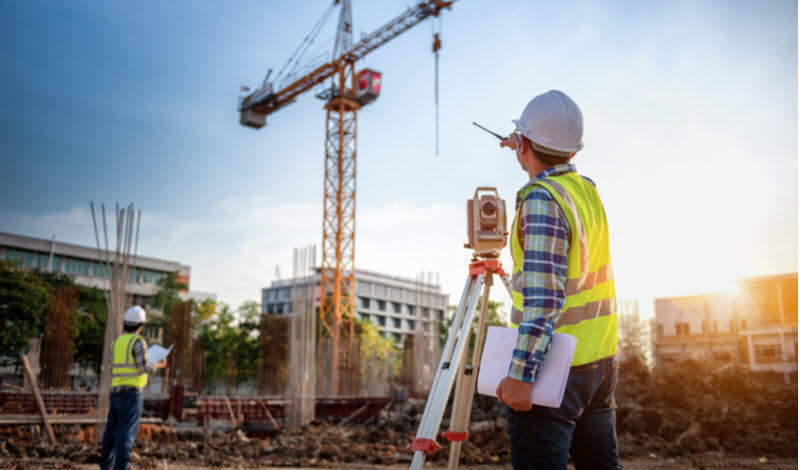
{"x": 337, "y": 294}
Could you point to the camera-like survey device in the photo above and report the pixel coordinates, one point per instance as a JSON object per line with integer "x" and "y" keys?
{"x": 486, "y": 223}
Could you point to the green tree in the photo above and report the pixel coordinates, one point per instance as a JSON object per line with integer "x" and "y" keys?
{"x": 23, "y": 305}
{"x": 230, "y": 342}
{"x": 494, "y": 317}
{"x": 376, "y": 350}
{"x": 92, "y": 315}
{"x": 169, "y": 287}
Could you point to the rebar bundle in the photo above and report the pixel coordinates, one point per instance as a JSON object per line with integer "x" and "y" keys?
{"x": 273, "y": 357}
{"x": 58, "y": 342}
{"x": 302, "y": 340}
{"x": 114, "y": 267}
{"x": 179, "y": 325}
{"x": 197, "y": 364}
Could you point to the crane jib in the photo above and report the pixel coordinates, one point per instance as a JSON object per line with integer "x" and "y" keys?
{"x": 268, "y": 103}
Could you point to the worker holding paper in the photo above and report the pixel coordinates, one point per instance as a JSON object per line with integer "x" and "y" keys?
{"x": 130, "y": 365}
{"x": 562, "y": 282}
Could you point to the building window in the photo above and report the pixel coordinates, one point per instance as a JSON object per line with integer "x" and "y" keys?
{"x": 25, "y": 257}
{"x": 425, "y": 312}
{"x": 381, "y": 320}
{"x": 396, "y": 307}
{"x": 364, "y": 302}
{"x": 364, "y": 317}
{"x": 411, "y": 309}
{"x": 744, "y": 323}
{"x": 659, "y": 330}
{"x": 715, "y": 326}
{"x": 410, "y": 324}
{"x": 396, "y": 322}
{"x": 767, "y": 350}
{"x": 681, "y": 328}
{"x": 382, "y": 305}
{"x": 398, "y": 337}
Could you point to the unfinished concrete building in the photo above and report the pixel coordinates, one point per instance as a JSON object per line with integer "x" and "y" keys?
{"x": 756, "y": 327}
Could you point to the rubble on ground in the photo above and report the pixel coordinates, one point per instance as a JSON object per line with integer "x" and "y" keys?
{"x": 683, "y": 410}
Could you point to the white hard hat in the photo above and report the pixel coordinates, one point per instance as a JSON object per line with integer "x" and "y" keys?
{"x": 135, "y": 314}
{"x": 553, "y": 122}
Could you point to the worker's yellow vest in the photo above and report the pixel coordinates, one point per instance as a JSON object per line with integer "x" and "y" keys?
{"x": 590, "y": 309}
{"x": 123, "y": 368}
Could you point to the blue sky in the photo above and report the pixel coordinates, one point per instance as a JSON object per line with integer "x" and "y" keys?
{"x": 690, "y": 110}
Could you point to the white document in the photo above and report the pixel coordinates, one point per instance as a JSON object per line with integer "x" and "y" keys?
{"x": 551, "y": 381}
{"x": 157, "y": 353}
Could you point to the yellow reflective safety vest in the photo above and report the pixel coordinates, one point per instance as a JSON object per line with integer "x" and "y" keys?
{"x": 123, "y": 366}
{"x": 590, "y": 308}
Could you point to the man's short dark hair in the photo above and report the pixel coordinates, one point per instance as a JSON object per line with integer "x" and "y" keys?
{"x": 545, "y": 158}
{"x": 131, "y": 327}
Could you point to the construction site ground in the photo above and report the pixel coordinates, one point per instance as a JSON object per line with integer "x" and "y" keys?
{"x": 684, "y": 416}
{"x": 697, "y": 463}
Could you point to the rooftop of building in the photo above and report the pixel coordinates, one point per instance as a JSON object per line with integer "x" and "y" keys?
{"x": 70, "y": 249}
{"x": 365, "y": 275}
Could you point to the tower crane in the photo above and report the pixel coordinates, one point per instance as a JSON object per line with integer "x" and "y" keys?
{"x": 348, "y": 93}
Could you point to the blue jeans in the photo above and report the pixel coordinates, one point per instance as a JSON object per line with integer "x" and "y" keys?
{"x": 124, "y": 413}
{"x": 583, "y": 427}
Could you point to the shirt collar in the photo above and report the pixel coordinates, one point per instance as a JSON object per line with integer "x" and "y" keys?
{"x": 552, "y": 171}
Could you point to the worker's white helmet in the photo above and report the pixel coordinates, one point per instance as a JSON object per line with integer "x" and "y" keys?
{"x": 553, "y": 123}
{"x": 135, "y": 314}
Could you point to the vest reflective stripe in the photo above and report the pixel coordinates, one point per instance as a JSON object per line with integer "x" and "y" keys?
{"x": 123, "y": 367}
{"x": 589, "y": 311}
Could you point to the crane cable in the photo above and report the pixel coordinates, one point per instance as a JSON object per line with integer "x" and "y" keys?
{"x": 436, "y": 27}
{"x": 307, "y": 41}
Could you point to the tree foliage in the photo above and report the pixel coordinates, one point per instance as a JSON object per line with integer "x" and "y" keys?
{"x": 24, "y": 295}
{"x": 23, "y": 304}
{"x": 169, "y": 287}
{"x": 230, "y": 342}
{"x": 92, "y": 315}
{"x": 494, "y": 317}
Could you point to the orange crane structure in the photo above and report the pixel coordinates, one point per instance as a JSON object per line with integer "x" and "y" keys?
{"x": 348, "y": 93}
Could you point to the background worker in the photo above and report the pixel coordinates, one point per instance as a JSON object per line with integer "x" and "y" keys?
{"x": 130, "y": 365}
{"x": 562, "y": 282}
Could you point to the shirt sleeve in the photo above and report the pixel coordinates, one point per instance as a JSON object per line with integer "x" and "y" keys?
{"x": 545, "y": 241}
{"x": 141, "y": 357}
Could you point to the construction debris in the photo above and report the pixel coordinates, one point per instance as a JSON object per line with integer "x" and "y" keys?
{"x": 685, "y": 411}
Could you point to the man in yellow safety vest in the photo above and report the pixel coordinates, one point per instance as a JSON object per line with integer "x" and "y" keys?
{"x": 563, "y": 282}
{"x": 130, "y": 365}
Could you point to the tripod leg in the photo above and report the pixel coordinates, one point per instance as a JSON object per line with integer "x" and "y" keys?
{"x": 465, "y": 387}
{"x": 425, "y": 443}
{"x": 447, "y": 351}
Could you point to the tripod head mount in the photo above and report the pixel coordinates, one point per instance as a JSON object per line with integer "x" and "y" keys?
{"x": 486, "y": 224}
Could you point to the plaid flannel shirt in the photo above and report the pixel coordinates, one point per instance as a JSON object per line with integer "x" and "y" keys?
{"x": 544, "y": 236}
{"x": 142, "y": 360}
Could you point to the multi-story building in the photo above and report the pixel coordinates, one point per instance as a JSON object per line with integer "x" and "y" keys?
{"x": 398, "y": 306}
{"x": 756, "y": 328}
{"x": 85, "y": 266}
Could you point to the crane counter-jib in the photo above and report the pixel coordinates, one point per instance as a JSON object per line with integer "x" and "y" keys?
{"x": 256, "y": 106}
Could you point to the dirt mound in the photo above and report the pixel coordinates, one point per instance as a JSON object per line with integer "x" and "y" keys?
{"x": 689, "y": 408}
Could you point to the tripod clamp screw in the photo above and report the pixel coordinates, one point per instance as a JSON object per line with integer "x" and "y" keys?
{"x": 455, "y": 436}
{"x": 426, "y": 445}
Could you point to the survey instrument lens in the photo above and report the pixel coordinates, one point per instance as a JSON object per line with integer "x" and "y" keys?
{"x": 486, "y": 223}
